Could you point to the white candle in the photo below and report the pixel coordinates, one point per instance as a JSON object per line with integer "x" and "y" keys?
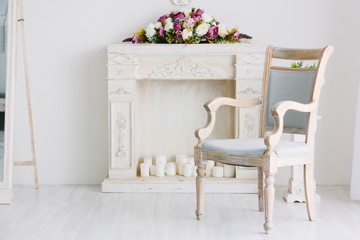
{"x": 171, "y": 169}
{"x": 229, "y": 171}
{"x": 152, "y": 170}
{"x": 194, "y": 172}
{"x": 179, "y": 158}
{"x": 209, "y": 166}
{"x": 218, "y": 172}
{"x": 160, "y": 170}
{"x": 219, "y": 164}
{"x": 144, "y": 169}
{"x": 148, "y": 160}
{"x": 187, "y": 169}
{"x": 191, "y": 160}
{"x": 160, "y": 159}
{"x": 180, "y": 165}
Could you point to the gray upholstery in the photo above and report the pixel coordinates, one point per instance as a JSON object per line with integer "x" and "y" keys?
{"x": 255, "y": 147}
{"x": 289, "y": 85}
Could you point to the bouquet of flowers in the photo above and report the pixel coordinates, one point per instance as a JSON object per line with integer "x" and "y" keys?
{"x": 195, "y": 26}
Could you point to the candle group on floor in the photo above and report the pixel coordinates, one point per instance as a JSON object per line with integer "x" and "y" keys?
{"x": 184, "y": 166}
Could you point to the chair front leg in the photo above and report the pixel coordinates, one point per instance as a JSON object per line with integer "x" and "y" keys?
{"x": 269, "y": 168}
{"x": 261, "y": 189}
{"x": 199, "y": 184}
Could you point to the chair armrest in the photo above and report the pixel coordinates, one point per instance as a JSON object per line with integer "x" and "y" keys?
{"x": 278, "y": 112}
{"x": 213, "y": 105}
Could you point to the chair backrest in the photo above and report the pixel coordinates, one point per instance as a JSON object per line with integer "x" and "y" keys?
{"x": 293, "y": 84}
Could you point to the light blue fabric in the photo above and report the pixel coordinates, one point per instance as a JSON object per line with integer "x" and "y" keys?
{"x": 293, "y": 86}
{"x": 255, "y": 147}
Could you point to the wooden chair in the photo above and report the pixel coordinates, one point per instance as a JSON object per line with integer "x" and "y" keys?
{"x": 284, "y": 89}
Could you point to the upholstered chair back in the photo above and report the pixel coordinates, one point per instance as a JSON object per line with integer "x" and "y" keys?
{"x": 301, "y": 85}
{"x": 289, "y": 85}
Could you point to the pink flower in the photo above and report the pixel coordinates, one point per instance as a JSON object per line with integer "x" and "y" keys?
{"x": 196, "y": 16}
{"x": 189, "y": 22}
{"x": 179, "y": 15}
{"x": 236, "y": 35}
{"x": 213, "y": 32}
{"x": 177, "y": 26}
{"x": 135, "y": 39}
{"x": 160, "y": 32}
{"x": 199, "y": 11}
{"x": 178, "y": 34}
{"x": 162, "y": 18}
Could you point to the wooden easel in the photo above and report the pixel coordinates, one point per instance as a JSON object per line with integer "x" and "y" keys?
{"x": 27, "y": 82}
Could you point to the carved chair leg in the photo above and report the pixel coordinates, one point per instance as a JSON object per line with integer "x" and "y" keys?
{"x": 200, "y": 191}
{"x": 269, "y": 193}
{"x": 261, "y": 189}
{"x": 309, "y": 190}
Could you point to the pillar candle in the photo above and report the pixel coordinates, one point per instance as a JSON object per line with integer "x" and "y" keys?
{"x": 229, "y": 171}
{"x": 180, "y": 165}
{"x": 152, "y": 170}
{"x": 160, "y": 170}
{"x": 218, "y": 172}
{"x": 148, "y": 160}
{"x": 179, "y": 157}
{"x": 144, "y": 169}
{"x": 191, "y": 160}
{"x": 194, "y": 172}
{"x": 209, "y": 166}
{"x": 219, "y": 164}
{"x": 187, "y": 169}
{"x": 171, "y": 169}
{"x": 160, "y": 159}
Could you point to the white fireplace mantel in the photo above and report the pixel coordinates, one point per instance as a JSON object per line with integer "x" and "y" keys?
{"x": 155, "y": 98}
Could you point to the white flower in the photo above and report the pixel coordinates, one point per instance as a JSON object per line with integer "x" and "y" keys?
{"x": 150, "y": 30}
{"x": 168, "y": 20}
{"x": 202, "y": 29}
{"x": 157, "y": 25}
{"x": 206, "y": 17}
{"x": 222, "y": 30}
{"x": 187, "y": 32}
{"x": 168, "y": 24}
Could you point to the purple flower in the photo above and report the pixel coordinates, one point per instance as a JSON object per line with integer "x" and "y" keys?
{"x": 189, "y": 22}
{"x": 236, "y": 35}
{"x": 199, "y": 11}
{"x": 178, "y": 34}
{"x": 135, "y": 39}
{"x": 160, "y": 32}
{"x": 177, "y": 26}
{"x": 162, "y": 18}
{"x": 217, "y": 23}
{"x": 213, "y": 32}
{"x": 196, "y": 16}
{"x": 179, "y": 15}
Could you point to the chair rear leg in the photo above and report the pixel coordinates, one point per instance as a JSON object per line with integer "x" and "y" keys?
{"x": 309, "y": 190}
{"x": 261, "y": 189}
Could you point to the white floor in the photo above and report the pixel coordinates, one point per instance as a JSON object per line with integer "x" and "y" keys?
{"x": 83, "y": 212}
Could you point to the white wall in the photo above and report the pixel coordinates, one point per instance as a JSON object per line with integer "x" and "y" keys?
{"x": 66, "y": 43}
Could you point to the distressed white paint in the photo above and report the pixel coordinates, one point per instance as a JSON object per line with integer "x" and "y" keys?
{"x": 172, "y": 84}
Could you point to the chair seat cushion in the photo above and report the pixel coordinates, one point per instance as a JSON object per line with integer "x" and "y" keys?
{"x": 255, "y": 147}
